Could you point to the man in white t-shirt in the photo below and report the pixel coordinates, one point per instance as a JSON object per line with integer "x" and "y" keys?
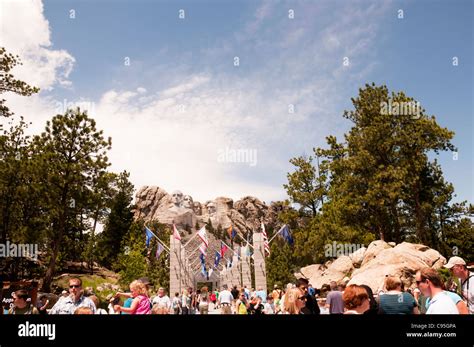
{"x": 225, "y": 300}
{"x": 458, "y": 268}
{"x": 162, "y": 302}
{"x": 430, "y": 284}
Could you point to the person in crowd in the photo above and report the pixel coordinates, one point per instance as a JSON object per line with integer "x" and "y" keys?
{"x": 76, "y": 298}
{"x": 176, "y": 304}
{"x": 334, "y": 301}
{"x": 141, "y": 301}
{"x": 186, "y": 301}
{"x": 311, "y": 290}
{"x": 311, "y": 305}
{"x": 374, "y": 306}
{"x": 213, "y": 298}
{"x": 161, "y": 303}
{"x": 225, "y": 300}
{"x": 356, "y": 299}
{"x": 113, "y": 300}
{"x": 322, "y": 306}
{"x": 83, "y": 310}
{"x": 21, "y": 304}
{"x": 260, "y": 293}
{"x": 458, "y": 268}
{"x": 241, "y": 305}
{"x": 396, "y": 301}
{"x": 42, "y": 304}
{"x": 247, "y": 292}
{"x": 256, "y": 307}
{"x": 203, "y": 301}
{"x": 269, "y": 306}
{"x": 457, "y": 300}
{"x": 429, "y": 282}
{"x": 96, "y": 302}
{"x": 294, "y": 301}
{"x": 235, "y": 293}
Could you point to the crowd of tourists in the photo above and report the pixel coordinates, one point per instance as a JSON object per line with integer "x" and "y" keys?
{"x": 430, "y": 296}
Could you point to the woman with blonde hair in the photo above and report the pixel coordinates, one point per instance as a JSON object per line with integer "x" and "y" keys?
{"x": 140, "y": 303}
{"x": 294, "y": 301}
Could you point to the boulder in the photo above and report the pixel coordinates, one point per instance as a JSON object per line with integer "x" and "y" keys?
{"x": 378, "y": 261}
{"x": 375, "y": 247}
{"x": 403, "y": 261}
{"x": 358, "y": 256}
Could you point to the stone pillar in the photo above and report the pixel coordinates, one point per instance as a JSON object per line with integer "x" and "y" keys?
{"x": 259, "y": 262}
{"x": 235, "y": 271}
{"x": 245, "y": 268}
{"x": 175, "y": 266}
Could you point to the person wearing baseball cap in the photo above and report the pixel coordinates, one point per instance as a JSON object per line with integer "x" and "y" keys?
{"x": 458, "y": 268}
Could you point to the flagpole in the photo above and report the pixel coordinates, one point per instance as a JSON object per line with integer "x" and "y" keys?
{"x": 279, "y": 231}
{"x": 229, "y": 247}
{"x": 162, "y": 243}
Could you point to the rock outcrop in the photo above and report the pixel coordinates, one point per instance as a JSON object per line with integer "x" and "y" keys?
{"x": 370, "y": 266}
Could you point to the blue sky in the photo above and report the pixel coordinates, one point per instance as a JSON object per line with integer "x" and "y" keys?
{"x": 182, "y": 100}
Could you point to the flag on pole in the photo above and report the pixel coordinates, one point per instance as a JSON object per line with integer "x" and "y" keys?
{"x": 232, "y": 232}
{"x": 209, "y": 273}
{"x": 203, "y": 236}
{"x": 149, "y": 234}
{"x": 159, "y": 250}
{"x": 203, "y": 270}
{"x": 176, "y": 233}
{"x": 248, "y": 250}
{"x": 217, "y": 258}
{"x": 266, "y": 245}
{"x": 202, "y": 248}
{"x": 223, "y": 249}
{"x": 285, "y": 233}
{"x": 201, "y": 257}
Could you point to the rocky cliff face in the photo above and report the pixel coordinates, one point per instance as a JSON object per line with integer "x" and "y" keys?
{"x": 245, "y": 215}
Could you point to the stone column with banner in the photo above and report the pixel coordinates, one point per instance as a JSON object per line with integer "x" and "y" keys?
{"x": 259, "y": 262}
{"x": 245, "y": 268}
{"x": 235, "y": 271}
{"x": 175, "y": 266}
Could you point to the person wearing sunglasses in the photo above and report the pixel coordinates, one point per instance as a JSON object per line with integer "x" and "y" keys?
{"x": 429, "y": 282}
{"x": 76, "y": 298}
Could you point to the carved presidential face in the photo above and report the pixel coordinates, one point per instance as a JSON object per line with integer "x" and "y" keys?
{"x": 177, "y": 198}
{"x": 211, "y": 208}
{"x": 188, "y": 202}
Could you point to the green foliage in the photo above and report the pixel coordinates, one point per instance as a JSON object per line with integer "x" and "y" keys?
{"x": 136, "y": 261}
{"x": 118, "y": 221}
{"x": 280, "y": 264}
{"x": 8, "y": 83}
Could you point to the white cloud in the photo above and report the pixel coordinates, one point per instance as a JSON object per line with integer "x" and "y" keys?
{"x": 25, "y": 31}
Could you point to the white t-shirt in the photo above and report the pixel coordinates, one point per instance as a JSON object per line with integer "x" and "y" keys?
{"x": 467, "y": 291}
{"x": 225, "y": 297}
{"x": 268, "y": 309}
{"x": 442, "y": 304}
{"x": 162, "y": 301}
